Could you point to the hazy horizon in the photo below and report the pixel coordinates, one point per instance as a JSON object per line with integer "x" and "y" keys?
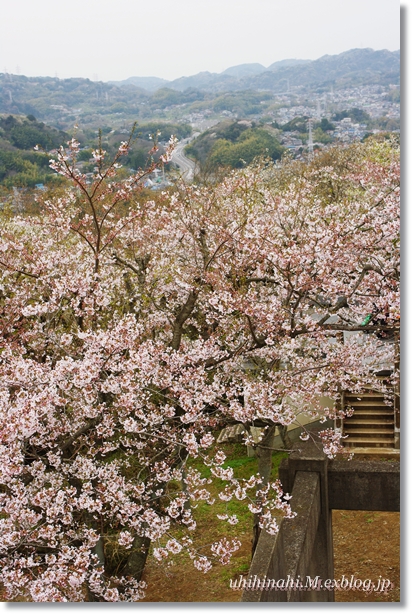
{"x": 205, "y": 71}
{"x": 246, "y": 63}
{"x": 114, "y": 41}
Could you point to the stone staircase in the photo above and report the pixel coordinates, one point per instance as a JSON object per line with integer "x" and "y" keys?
{"x": 372, "y": 423}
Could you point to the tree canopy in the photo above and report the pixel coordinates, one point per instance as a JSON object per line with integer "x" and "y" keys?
{"x": 133, "y": 330}
{"x": 234, "y": 144}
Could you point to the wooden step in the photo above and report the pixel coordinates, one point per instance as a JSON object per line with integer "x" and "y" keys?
{"x": 368, "y": 424}
{"x": 370, "y": 411}
{"x": 389, "y": 453}
{"x": 367, "y": 401}
{"x": 381, "y": 439}
{"x": 371, "y": 424}
{"x": 372, "y": 420}
{"x": 365, "y": 395}
{"x": 365, "y": 431}
{"x": 386, "y": 416}
{"x": 368, "y": 441}
{"x": 368, "y": 404}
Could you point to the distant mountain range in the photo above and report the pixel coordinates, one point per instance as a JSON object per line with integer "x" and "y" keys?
{"x": 357, "y": 65}
{"x": 151, "y": 84}
{"x": 64, "y": 102}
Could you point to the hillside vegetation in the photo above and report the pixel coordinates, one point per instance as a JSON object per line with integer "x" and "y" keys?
{"x": 65, "y": 101}
{"x": 234, "y": 144}
{"x": 20, "y": 165}
{"x": 23, "y": 167}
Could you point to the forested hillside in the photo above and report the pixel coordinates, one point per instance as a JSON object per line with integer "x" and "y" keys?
{"x": 62, "y": 102}
{"x": 20, "y": 165}
{"x": 234, "y": 144}
{"x": 27, "y": 144}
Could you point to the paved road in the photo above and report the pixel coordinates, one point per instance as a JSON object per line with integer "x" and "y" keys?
{"x": 187, "y": 166}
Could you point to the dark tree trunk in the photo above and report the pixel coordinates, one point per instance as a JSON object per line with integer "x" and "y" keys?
{"x": 283, "y": 432}
{"x": 137, "y": 559}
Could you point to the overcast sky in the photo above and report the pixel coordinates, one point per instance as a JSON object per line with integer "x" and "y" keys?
{"x": 114, "y": 40}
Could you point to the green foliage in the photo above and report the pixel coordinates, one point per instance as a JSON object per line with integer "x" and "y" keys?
{"x": 166, "y": 97}
{"x": 28, "y": 132}
{"x": 357, "y": 115}
{"x": 242, "y": 103}
{"x": 24, "y": 169}
{"x": 84, "y": 155}
{"x": 394, "y": 95}
{"x": 136, "y": 159}
{"x": 234, "y": 144}
{"x": 20, "y": 166}
{"x": 326, "y": 125}
{"x": 299, "y": 124}
{"x": 232, "y": 131}
{"x": 252, "y": 143}
{"x": 64, "y": 102}
{"x": 321, "y": 137}
{"x": 387, "y": 123}
{"x": 166, "y": 129}
{"x": 26, "y": 137}
{"x": 9, "y": 162}
{"x": 118, "y": 107}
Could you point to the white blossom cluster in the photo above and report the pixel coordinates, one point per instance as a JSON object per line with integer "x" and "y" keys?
{"x": 132, "y": 331}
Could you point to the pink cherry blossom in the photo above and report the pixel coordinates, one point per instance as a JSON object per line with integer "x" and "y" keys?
{"x": 133, "y": 330}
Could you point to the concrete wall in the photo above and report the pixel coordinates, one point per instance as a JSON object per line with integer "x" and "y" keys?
{"x": 293, "y": 565}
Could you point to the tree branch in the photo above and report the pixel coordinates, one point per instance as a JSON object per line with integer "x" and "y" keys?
{"x": 181, "y": 318}
{"x": 86, "y": 427}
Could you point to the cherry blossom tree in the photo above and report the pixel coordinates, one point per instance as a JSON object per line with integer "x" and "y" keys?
{"x": 289, "y": 260}
{"x": 133, "y": 329}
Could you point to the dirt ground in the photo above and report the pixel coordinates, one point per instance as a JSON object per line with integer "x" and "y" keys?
{"x": 366, "y": 546}
{"x": 366, "y": 550}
